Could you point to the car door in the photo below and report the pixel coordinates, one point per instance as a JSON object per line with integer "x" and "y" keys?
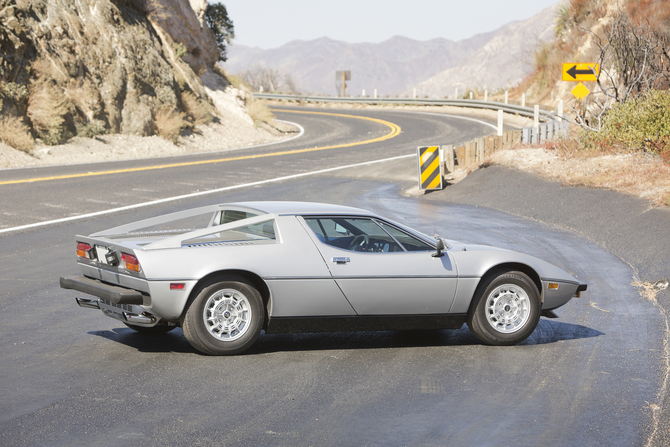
{"x": 381, "y": 269}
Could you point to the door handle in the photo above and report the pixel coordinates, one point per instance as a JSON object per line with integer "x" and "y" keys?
{"x": 340, "y": 260}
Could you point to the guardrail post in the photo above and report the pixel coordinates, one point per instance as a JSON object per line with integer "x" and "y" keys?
{"x": 559, "y": 111}
{"x": 449, "y": 155}
{"x": 500, "y": 122}
{"x": 486, "y": 95}
{"x": 456, "y": 93}
{"x": 470, "y": 95}
{"x": 479, "y": 142}
{"x": 375, "y": 93}
{"x": 489, "y": 148}
{"x": 523, "y": 100}
{"x": 536, "y": 118}
{"x": 460, "y": 156}
{"x": 414, "y": 94}
{"x": 506, "y": 96}
{"x": 363, "y": 94}
{"x": 470, "y": 153}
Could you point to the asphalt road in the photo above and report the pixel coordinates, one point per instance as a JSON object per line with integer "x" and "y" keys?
{"x": 595, "y": 376}
{"x": 138, "y": 181}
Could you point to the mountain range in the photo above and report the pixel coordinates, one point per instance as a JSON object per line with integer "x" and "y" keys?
{"x": 396, "y": 66}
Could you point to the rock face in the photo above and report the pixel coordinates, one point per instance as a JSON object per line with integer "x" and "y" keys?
{"x": 68, "y": 65}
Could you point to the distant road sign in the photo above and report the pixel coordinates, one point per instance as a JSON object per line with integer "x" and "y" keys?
{"x": 580, "y": 72}
{"x": 580, "y": 91}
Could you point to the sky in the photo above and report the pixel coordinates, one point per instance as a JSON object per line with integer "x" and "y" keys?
{"x": 272, "y": 23}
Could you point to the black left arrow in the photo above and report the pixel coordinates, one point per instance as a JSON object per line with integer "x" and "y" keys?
{"x": 574, "y": 72}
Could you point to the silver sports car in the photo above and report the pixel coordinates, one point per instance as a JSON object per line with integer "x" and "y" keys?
{"x": 225, "y": 272}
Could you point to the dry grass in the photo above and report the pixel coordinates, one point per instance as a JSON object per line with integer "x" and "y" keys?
{"x": 258, "y": 111}
{"x": 199, "y": 110}
{"x": 649, "y": 290}
{"x": 47, "y": 108}
{"x": 169, "y": 122}
{"x": 16, "y": 134}
{"x": 637, "y": 174}
{"x": 85, "y": 97}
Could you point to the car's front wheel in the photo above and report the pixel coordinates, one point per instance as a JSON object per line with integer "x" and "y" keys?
{"x": 505, "y": 310}
{"x": 225, "y": 317}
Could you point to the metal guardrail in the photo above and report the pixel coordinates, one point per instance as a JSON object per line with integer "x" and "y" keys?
{"x": 544, "y": 115}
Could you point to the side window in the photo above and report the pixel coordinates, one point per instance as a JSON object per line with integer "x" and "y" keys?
{"x": 229, "y": 216}
{"x": 262, "y": 232}
{"x": 354, "y": 234}
{"x": 409, "y": 242}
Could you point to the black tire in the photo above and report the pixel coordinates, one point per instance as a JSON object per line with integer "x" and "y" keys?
{"x": 240, "y": 306}
{"x": 154, "y": 330}
{"x": 505, "y": 309}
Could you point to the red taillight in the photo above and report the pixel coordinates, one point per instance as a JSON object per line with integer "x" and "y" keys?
{"x": 83, "y": 249}
{"x": 131, "y": 262}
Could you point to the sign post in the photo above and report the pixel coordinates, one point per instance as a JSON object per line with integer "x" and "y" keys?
{"x": 343, "y": 76}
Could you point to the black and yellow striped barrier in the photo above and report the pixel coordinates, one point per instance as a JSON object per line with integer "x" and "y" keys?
{"x": 430, "y": 168}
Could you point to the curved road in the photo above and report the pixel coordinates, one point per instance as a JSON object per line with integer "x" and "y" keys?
{"x": 74, "y": 377}
{"x": 332, "y": 138}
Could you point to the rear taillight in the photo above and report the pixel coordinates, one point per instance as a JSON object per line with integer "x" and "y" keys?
{"x": 130, "y": 262}
{"x": 83, "y": 250}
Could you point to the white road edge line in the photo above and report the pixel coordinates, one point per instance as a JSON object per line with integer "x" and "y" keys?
{"x": 300, "y": 133}
{"x": 467, "y": 118}
{"x": 195, "y": 194}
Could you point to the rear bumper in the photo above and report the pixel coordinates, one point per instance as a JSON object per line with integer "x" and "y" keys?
{"x": 115, "y": 294}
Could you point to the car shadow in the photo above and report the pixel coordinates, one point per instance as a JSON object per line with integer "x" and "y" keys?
{"x": 172, "y": 341}
{"x": 547, "y": 332}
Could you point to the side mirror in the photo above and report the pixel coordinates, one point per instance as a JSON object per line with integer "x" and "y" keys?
{"x": 439, "y": 246}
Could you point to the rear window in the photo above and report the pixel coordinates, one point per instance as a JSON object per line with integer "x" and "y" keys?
{"x": 262, "y": 232}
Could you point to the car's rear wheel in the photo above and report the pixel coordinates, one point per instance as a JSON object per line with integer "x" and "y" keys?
{"x": 225, "y": 317}
{"x": 153, "y": 330}
{"x": 505, "y": 309}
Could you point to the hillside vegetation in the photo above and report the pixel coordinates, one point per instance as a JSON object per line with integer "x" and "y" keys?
{"x": 628, "y": 109}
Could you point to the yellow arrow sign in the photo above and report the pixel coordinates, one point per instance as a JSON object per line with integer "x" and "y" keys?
{"x": 580, "y": 91}
{"x": 580, "y": 72}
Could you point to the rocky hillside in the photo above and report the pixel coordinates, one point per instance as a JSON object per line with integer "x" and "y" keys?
{"x": 630, "y": 40}
{"x": 501, "y": 62}
{"x": 85, "y": 67}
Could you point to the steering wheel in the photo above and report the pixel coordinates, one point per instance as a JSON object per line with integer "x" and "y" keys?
{"x": 360, "y": 241}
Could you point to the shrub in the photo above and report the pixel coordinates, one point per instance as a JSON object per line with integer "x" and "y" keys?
{"x": 169, "y": 122}
{"x": 47, "y": 108}
{"x": 258, "y": 111}
{"x": 92, "y": 129}
{"x": 179, "y": 50}
{"x": 642, "y": 123}
{"x": 16, "y": 134}
{"x": 200, "y": 111}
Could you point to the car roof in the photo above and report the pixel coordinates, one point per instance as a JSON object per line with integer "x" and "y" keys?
{"x": 300, "y": 208}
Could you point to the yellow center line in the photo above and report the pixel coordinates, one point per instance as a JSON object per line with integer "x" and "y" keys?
{"x": 395, "y": 131}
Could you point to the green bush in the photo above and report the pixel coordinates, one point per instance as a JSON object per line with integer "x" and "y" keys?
{"x": 218, "y": 21}
{"x": 641, "y": 123}
{"x": 92, "y": 129}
